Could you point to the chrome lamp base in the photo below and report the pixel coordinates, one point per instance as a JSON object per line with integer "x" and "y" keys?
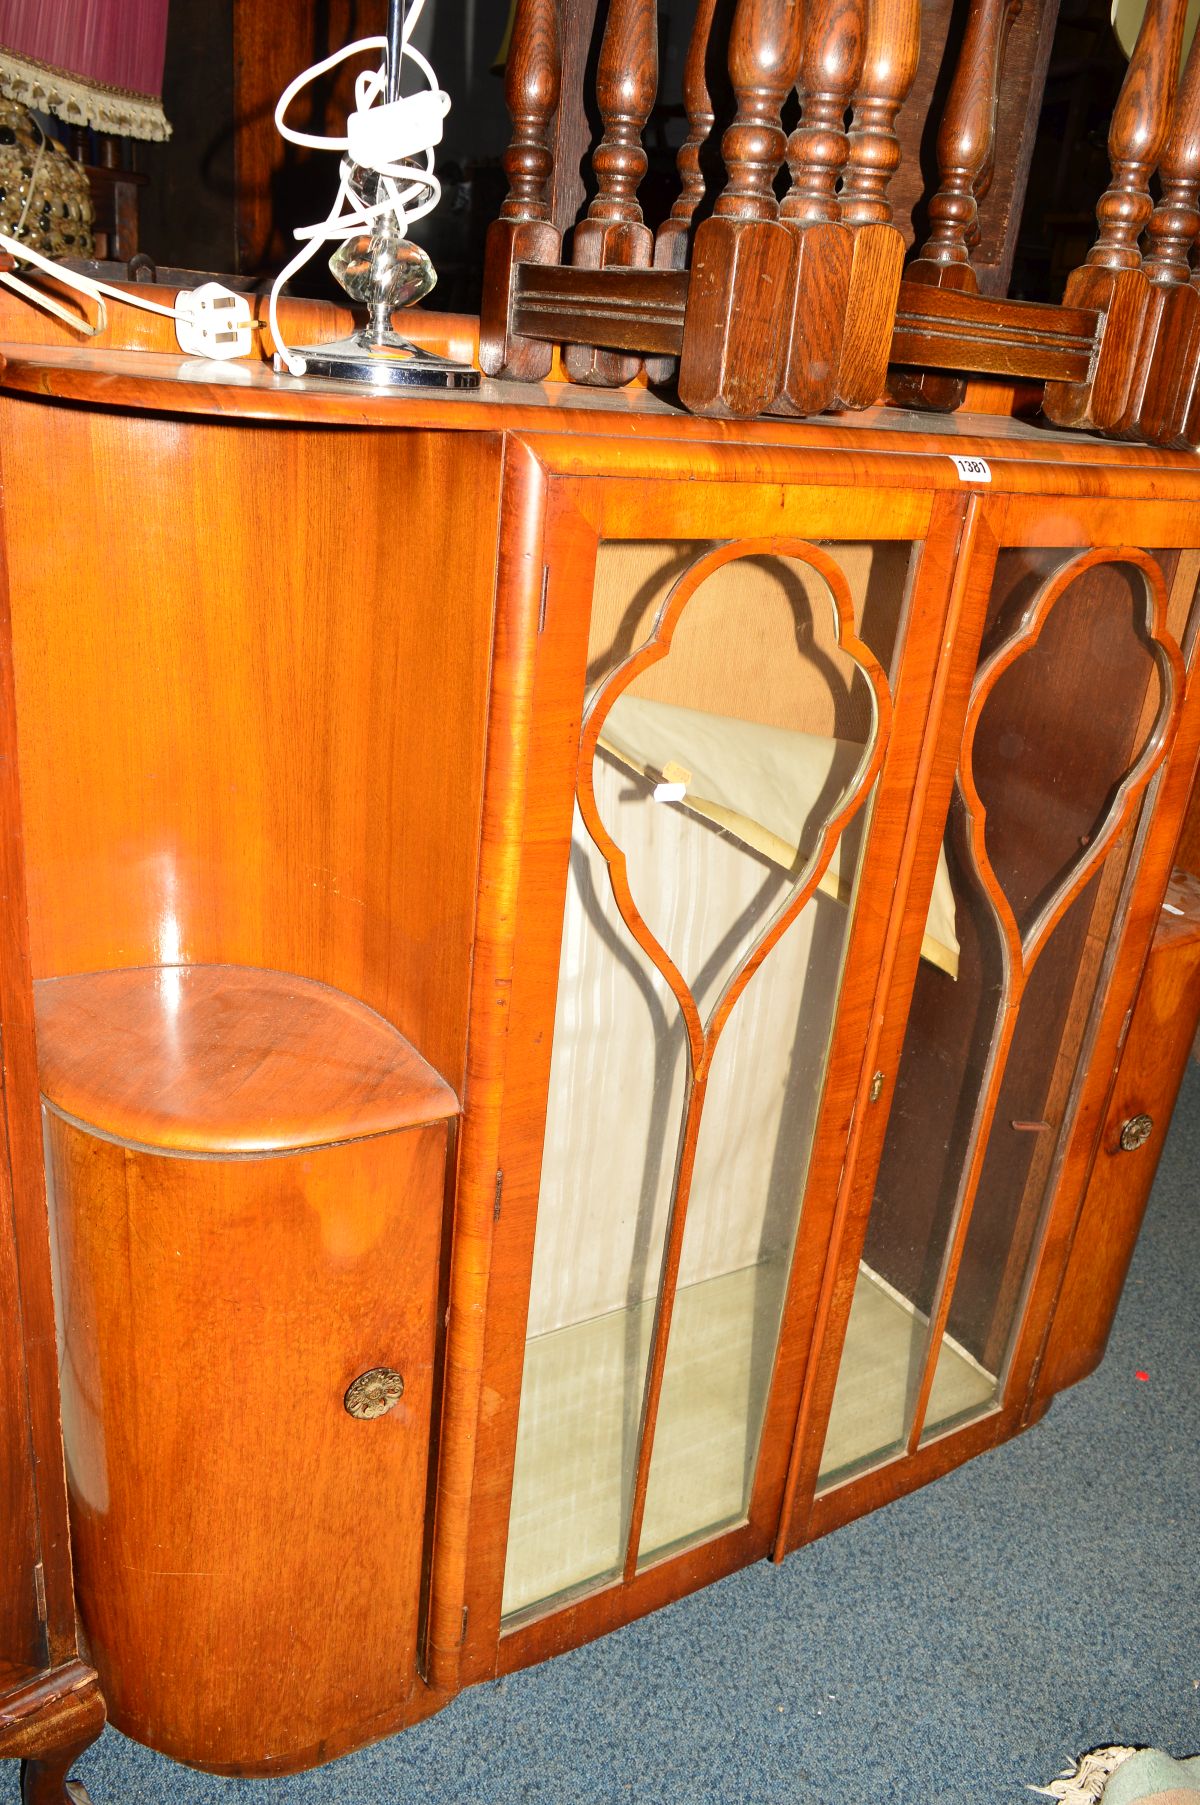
{"x": 386, "y": 362}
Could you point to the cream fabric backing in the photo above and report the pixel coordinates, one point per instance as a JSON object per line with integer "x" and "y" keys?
{"x": 768, "y": 786}
{"x": 619, "y": 1063}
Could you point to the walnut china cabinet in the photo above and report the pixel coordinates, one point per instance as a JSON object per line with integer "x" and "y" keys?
{"x": 579, "y": 957}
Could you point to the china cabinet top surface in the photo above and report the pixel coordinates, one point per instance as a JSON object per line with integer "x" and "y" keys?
{"x": 629, "y": 418}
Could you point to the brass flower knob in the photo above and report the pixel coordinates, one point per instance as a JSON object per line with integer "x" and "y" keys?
{"x": 1136, "y": 1132}
{"x": 374, "y": 1393}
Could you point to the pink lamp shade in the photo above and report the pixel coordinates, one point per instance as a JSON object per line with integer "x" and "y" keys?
{"x": 90, "y": 62}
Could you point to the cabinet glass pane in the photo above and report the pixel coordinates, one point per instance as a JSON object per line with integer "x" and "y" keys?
{"x": 1062, "y": 723}
{"x": 745, "y": 1204}
{"x": 715, "y": 767}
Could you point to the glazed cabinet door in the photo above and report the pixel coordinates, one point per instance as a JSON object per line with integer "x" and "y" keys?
{"x": 732, "y": 684}
{"x": 1056, "y": 817}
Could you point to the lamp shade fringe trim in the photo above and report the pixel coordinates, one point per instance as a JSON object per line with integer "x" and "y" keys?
{"x": 78, "y": 101}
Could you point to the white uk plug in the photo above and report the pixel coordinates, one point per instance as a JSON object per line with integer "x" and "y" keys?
{"x": 211, "y": 321}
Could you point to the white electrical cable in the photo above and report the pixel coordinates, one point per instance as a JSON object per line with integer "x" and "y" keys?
{"x": 85, "y": 285}
{"x": 403, "y": 189}
{"x": 47, "y": 302}
{"x": 210, "y": 321}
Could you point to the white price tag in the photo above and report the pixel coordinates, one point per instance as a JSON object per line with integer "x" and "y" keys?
{"x": 670, "y": 792}
{"x": 973, "y": 470}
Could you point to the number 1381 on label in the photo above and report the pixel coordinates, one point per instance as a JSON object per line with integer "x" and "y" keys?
{"x": 973, "y": 470}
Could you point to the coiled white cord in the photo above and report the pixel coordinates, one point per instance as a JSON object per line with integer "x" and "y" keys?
{"x": 383, "y": 141}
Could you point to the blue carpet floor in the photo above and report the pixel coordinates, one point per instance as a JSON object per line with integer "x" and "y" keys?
{"x": 950, "y": 1650}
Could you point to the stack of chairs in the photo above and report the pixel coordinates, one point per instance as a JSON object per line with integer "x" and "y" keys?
{"x": 753, "y": 304}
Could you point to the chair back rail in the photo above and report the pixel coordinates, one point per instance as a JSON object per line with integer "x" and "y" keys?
{"x": 1168, "y": 398}
{"x": 1112, "y": 280}
{"x": 890, "y": 60}
{"x": 674, "y": 235}
{"x": 525, "y": 232}
{"x": 1165, "y": 344}
{"x": 735, "y": 326}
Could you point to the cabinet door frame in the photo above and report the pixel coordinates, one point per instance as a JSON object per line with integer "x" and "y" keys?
{"x": 23, "y": 1217}
{"x": 50, "y": 1704}
{"x": 569, "y": 503}
{"x": 1071, "y": 523}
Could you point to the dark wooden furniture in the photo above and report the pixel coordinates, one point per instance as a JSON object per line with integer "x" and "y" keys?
{"x": 712, "y": 1158}
{"x": 114, "y": 190}
{"x": 274, "y": 180}
{"x": 798, "y": 305}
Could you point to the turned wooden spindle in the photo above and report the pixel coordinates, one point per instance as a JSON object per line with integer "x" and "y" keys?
{"x": 1169, "y": 364}
{"x": 523, "y": 233}
{"x": 967, "y": 138}
{"x": 613, "y": 235}
{"x": 890, "y": 59}
{"x": 1112, "y": 280}
{"x": 670, "y": 250}
{"x": 1175, "y": 222}
{"x": 966, "y": 148}
{"x": 1137, "y": 137}
{"x": 765, "y": 46}
{"x": 671, "y": 245}
{"x": 735, "y": 330}
{"x": 817, "y": 151}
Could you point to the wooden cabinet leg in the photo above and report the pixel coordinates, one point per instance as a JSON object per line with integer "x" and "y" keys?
{"x": 46, "y": 1725}
{"x": 45, "y": 1782}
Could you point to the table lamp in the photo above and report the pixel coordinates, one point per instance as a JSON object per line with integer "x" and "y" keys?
{"x": 384, "y": 187}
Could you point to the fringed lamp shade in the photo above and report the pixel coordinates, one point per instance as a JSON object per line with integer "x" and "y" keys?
{"x": 90, "y": 62}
